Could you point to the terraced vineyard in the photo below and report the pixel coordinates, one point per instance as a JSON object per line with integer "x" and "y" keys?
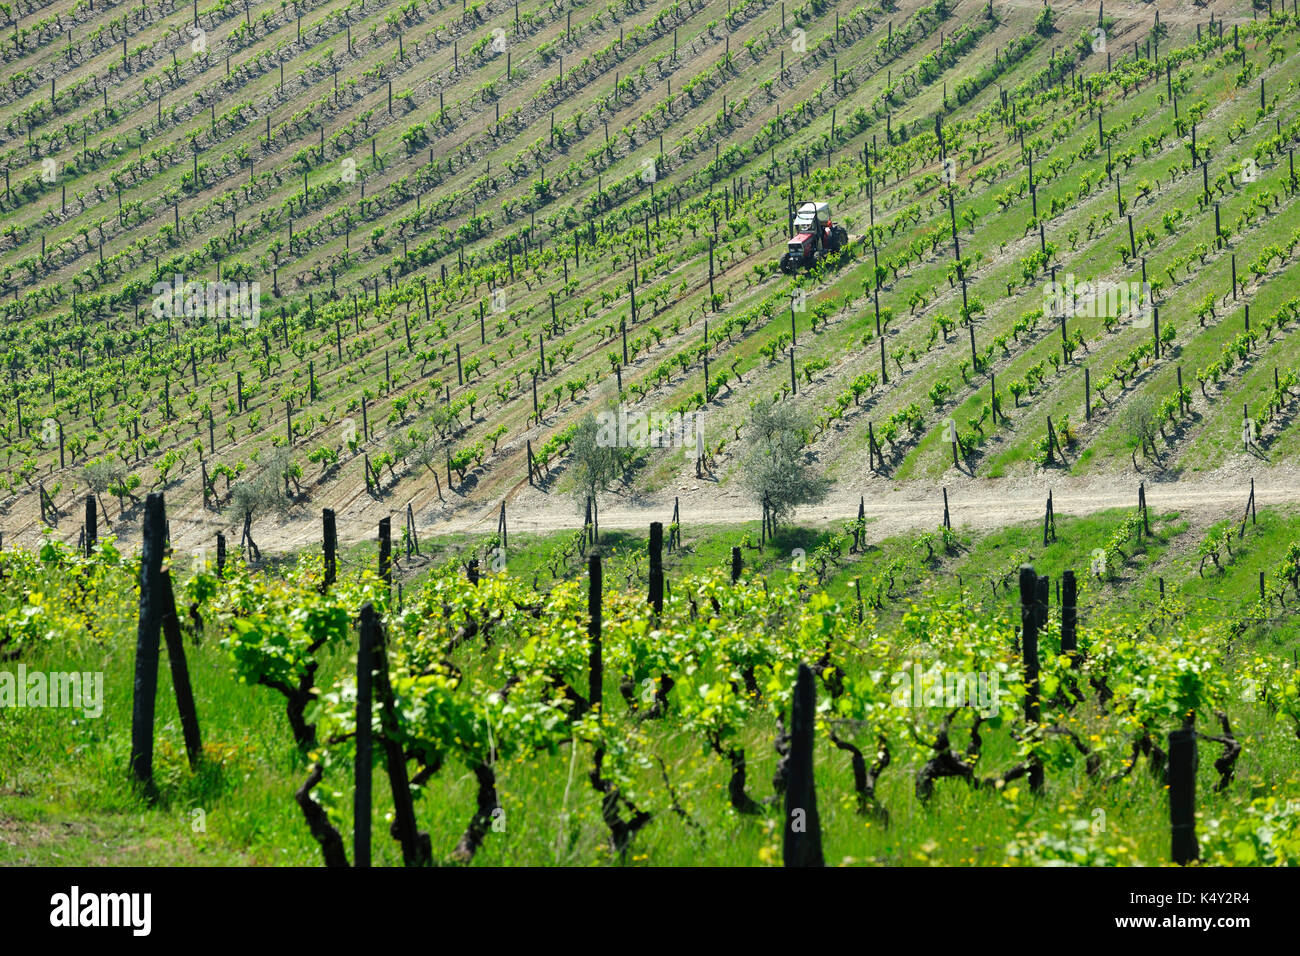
{"x": 442, "y": 207}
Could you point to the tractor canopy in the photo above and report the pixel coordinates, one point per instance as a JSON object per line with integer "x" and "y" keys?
{"x": 810, "y": 213}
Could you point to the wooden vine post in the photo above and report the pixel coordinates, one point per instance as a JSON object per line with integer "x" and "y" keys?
{"x": 416, "y": 846}
{"x": 145, "y": 689}
{"x": 330, "y": 543}
{"x": 92, "y": 525}
{"x": 1250, "y": 512}
{"x": 1070, "y": 617}
{"x": 412, "y": 537}
{"x": 1029, "y": 625}
{"x": 1042, "y": 592}
{"x": 657, "y": 566}
{"x": 1182, "y": 795}
{"x": 171, "y": 629}
{"x": 157, "y": 613}
{"x": 364, "y": 766}
{"x": 802, "y": 845}
{"x": 595, "y": 667}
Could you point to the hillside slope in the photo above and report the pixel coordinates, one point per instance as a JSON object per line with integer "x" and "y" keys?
{"x": 443, "y": 205}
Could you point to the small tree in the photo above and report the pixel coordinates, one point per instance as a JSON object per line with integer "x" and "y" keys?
{"x": 101, "y": 475}
{"x": 263, "y": 492}
{"x": 775, "y": 469}
{"x": 597, "y": 459}
{"x": 1140, "y": 421}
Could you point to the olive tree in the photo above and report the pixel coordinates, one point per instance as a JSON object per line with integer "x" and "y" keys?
{"x": 596, "y": 461}
{"x": 776, "y": 469}
{"x": 1140, "y": 422}
{"x": 101, "y": 475}
{"x": 265, "y": 491}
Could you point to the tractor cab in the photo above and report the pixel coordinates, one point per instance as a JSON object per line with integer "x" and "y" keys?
{"x": 811, "y": 215}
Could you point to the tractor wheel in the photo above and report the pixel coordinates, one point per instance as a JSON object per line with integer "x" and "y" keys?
{"x": 839, "y": 238}
{"x": 788, "y": 264}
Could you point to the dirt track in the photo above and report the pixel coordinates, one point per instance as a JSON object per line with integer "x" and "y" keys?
{"x": 977, "y": 504}
{"x": 891, "y": 507}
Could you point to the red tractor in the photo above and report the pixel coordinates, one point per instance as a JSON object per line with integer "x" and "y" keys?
{"x": 815, "y": 237}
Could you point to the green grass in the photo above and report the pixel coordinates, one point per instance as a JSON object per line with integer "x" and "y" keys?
{"x": 64, "y": 795}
